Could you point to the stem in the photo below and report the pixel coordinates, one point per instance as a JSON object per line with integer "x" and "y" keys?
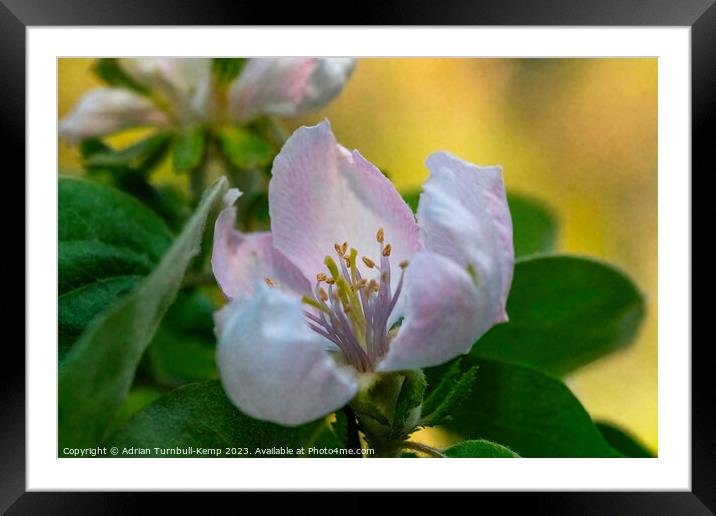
{"x": 423, "y": 448}
{"x": 198, "y": 280}
{"x": 353, "y": 439}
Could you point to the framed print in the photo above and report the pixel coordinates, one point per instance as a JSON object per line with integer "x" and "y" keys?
{"x": 248, "y": 245}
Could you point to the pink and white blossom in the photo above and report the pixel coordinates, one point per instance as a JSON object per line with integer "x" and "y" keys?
{"x": 181, "y": 91}
{"x": 348, "y": 284}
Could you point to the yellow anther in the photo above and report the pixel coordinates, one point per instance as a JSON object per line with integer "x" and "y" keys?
{"x": 369, "y": 263}
{"x": 330, "y": 281}
{"x": 348, "y": 261}
{"x": 344, "y": 247}
{"x": 361, "y": 283}
{"x": 321, "y": 276}
{"x": 323, "y": 294}
{"x": 403, "y": 264}
{"x": 380, "y": 235}
{"x": 339, "y": 249}
{"x": 269, "y": 282}
{"x": 387, "y": 249}
{"x": 373, "y": 285}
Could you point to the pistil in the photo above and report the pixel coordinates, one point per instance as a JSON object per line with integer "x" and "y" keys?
{"x": 353, "y": 312}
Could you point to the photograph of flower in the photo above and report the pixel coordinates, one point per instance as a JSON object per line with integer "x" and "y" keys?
{"x": 357, "y": 257}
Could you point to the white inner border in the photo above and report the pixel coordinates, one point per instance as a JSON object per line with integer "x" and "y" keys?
{"x": 670, "y": 471}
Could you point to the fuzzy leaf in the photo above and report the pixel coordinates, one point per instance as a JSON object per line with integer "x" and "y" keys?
{"x": 143, "y": 155}
{"x": 565, "y": 311}
{"x": 244, "y": 148}
{"x": 201, "y": 416}
{"x": 98, "y": 372}
{"x": 448, "y": 395}
{"x": 109, "y": 71}
{"x": 188, "y": 148}
{"x": 526, "y": 410}
{"x": 108, "y": 242}
{"x": 480, "y": 449}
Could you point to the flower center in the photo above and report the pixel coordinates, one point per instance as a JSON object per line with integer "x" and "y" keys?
{"x": 353, "y": 311}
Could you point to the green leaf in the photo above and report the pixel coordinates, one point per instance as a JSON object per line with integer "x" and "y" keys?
{"x": 98, "y": 371}
{"x": 109, "y": 71}
{"x": 244, "y": 148}
{"x": 412, "y": 198}
{"x": 201, "y": 416}
{"x": 226, "y": 69}
{"x": 480, "y": 449}
{"x": 188, "y": 148}
{"x": 452, "y": 390}
{"x": 623, "y": 442}
{"x": 138, "y": 398}
{"x": 183, "y": 349}
{"x": 142, "y": 156}
{"x": 108, "y": 242}
{"x": 565, "y": 311}
{"x": 533, "y": 414}
{"x": 410, "y": 396}
{"x": 534, "y": 226}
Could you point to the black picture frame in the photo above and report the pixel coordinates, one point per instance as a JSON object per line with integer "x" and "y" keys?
{"x": 700, "y": 15}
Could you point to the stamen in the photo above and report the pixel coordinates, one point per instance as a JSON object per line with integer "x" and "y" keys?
{"x": 353, "y": 311}
{"x": 269, "y": 282}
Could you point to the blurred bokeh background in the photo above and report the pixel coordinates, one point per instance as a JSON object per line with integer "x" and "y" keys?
{"x": 580, "y": 134}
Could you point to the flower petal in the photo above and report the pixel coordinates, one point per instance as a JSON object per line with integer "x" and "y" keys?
{"x": 184, "y": 82}
{"x": 241, "y": 261}
{"x": 463, "y": 214}
{"x": 444, "y": 314}
{"x": 287, "y": 86}
{"x": 320, "y": 194}
{"x": 104, "y": 111}
{"x": 273, "y": 366}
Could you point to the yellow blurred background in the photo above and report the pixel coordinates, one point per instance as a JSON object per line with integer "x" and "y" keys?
{"x": 580, "y": 134}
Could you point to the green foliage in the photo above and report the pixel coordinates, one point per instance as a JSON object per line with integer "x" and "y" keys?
{"x": 226, "y": 69}
{"x": 244, "y": 148}
{"x": 623, "y": 442}
{"x": 534, "y": 226}
{"x": 533, "y": 414}
{"x": 108, "y": 242}
{"x": 109, "y": 70}
{"x": 183, "y": 349}
{"x": 409, "y": 398}
{"x": 166, "y": 200}
{"x": 453, "y": 388}
{"x": 565, "y": 311}
{"x": 480, "y": 449}
{"x": 98, "y": 371}
{"x": 188, "y": 148}
{"x": 201, "y": 416}
{"x": 142, "y": 155}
